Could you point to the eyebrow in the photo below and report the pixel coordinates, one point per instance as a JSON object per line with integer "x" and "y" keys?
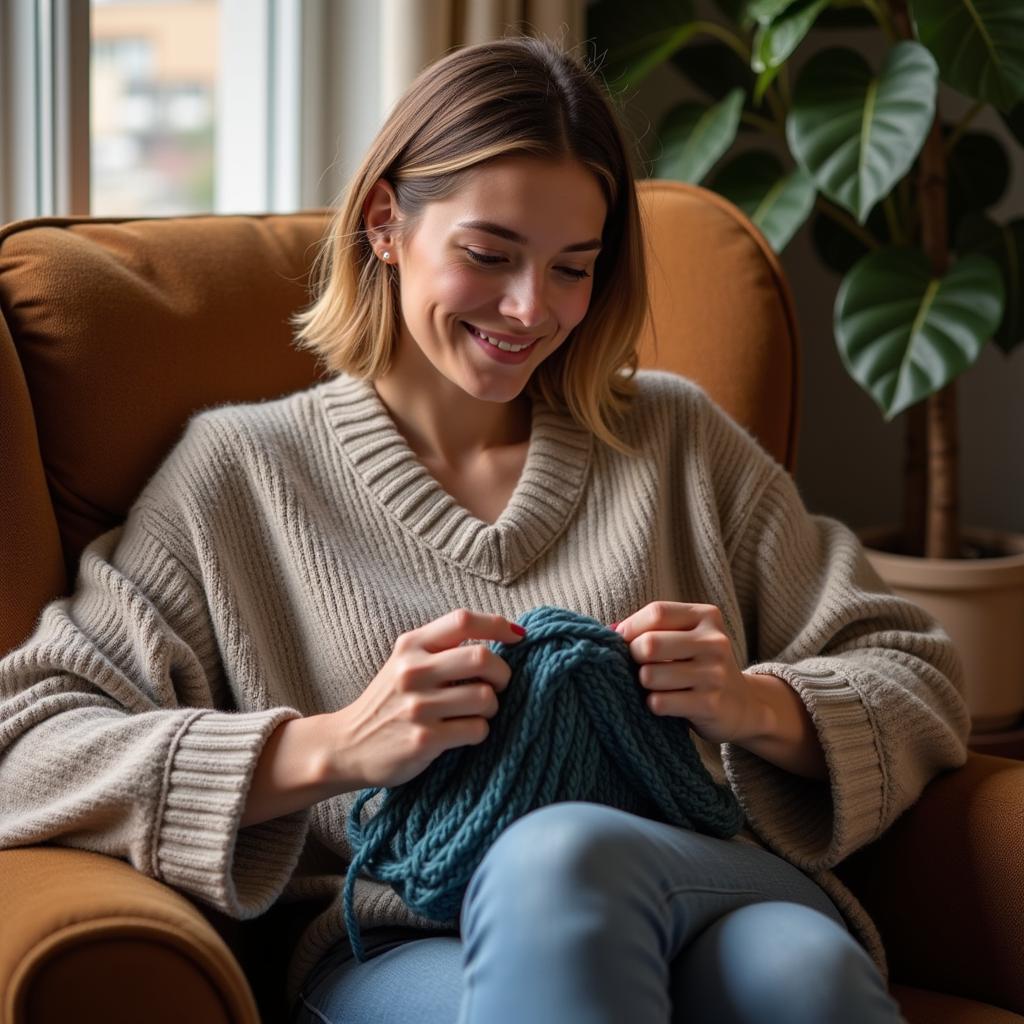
{"x": 514, "y": 236}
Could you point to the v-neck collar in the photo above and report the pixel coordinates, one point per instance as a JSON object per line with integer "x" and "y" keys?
{"x": 546, "y": 494}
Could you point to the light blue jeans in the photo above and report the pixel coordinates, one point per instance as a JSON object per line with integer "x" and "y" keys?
{"x": 580, "y": 914}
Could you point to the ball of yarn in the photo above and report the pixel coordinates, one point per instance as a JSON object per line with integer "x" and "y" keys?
{"x": 573, "y": 724}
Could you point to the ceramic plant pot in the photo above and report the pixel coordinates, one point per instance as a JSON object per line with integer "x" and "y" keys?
{"x": 980, "y": 603}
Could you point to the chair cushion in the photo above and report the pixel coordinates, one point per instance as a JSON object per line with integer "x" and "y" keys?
{"x": 124, "y": 328}
{"x": 920, "y": 1006}
{"x": 722, "y": 310}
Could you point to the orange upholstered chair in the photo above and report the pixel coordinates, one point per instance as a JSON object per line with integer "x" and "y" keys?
{"x": 115, "y": 331}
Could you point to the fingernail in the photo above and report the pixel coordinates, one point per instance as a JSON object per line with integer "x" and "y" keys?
{"x": 613, "y": 625}
{"x": 517, "y": 629}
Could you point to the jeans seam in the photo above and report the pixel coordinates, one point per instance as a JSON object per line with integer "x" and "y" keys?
{"x": 313, "y": 1009}
{"x": 718, "y": 892}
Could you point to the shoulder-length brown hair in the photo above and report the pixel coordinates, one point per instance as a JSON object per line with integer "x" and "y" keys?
{"x": 511, "y": 96}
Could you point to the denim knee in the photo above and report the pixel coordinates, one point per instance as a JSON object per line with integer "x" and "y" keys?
{"x": 779, "y": 961}
{"x": 571, "y": 841}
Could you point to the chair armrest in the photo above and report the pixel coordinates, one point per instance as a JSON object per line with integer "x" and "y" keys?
{"x": 945, "y": 884}
{"x": 88, "y": 938}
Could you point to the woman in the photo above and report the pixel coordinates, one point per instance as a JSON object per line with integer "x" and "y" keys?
{"x": 298, "y": 604}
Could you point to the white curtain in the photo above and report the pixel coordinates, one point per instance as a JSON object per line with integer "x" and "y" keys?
{"x": 416, "y": 32}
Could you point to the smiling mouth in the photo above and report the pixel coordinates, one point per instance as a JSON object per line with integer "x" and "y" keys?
{"x": 503, "y": 345}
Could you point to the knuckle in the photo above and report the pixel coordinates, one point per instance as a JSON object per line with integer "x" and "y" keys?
{"x": 659, "y": 611}
{"x": 419, "y": 738}
{"x": 405, "y": 676}
{"x": 481, "y": 730}
{"x": 721, "y": 644}
{"x": 414, "y": 709}
{"x": 462, "y": 617}
{"x": 479, "y": 656}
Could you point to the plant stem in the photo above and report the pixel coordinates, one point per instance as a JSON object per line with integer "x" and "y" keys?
{"x": 734, "y": 42}
{"x": 840, "y": 216}
{"x": 908, "y": 216}
{"x": 783, "y": 80}
{"x": 762, "y": 123}
{"x": 778, "y": 107}
{"x": 881, "y": 15}
{"x": 962, "y": 124}
{"x": 739, "y": 46}
{"x": 892, "y": 218}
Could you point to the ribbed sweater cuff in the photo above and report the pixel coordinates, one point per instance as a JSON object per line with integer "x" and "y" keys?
{"x": 200, "y": 848}
{"x": 817, "y": 824}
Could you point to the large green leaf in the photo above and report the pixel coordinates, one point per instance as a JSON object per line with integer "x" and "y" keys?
{"x": 638, "y": 36}
{"x": 694, "y": 137}
{"x": 903, "y": 334}
{"x": 777, "y": 202}
{"x": 856, "y": 134}
{"x": 979, "y": 45}
{"x": 776, "y": 40}
{"x": 765, "y": 11}
{"x": 978, "y": 173}
{"x": 1005, "y": 244}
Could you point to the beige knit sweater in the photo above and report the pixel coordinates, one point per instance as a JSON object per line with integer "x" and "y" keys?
{"x": 270, "y": 563}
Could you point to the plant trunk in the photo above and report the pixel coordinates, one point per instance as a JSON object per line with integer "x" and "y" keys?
{"x": 931, "y": 498}
{"x": 942, "y": 528}
{"x": 915, "y": 480}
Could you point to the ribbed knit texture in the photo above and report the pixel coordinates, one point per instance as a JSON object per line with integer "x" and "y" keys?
{"x": 571, "y": 725}
{"x": 270, "y": 564}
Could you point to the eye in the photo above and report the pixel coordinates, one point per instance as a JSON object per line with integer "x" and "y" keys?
{"x": 572, "y": 272}
{"x": 482, "y": 257}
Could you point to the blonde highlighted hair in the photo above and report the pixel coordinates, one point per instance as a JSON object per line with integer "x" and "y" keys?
{"x": 513, "y": 96}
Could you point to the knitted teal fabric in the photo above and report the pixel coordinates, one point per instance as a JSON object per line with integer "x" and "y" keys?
{"x": 573, "y": 724}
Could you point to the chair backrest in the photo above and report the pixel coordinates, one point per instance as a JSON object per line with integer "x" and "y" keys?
{"x": 115, "y": 330}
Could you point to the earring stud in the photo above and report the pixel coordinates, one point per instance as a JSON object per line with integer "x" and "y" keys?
{"x": 385, "y": 255}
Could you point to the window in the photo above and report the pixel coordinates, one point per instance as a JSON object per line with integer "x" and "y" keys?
{"x": 161, "y": 107}
{"x": 153, "y": 96}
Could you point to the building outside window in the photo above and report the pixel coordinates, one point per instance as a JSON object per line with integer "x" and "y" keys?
{"x": 153, "y": 102}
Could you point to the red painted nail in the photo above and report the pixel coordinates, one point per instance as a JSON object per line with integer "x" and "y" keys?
{"x": 613, "y": 625}
{"x": 517, "y": 629}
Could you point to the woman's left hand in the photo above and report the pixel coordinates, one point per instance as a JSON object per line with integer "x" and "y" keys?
{"x": 687, "y": 663}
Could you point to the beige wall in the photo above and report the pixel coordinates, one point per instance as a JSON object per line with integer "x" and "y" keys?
{"x": 850, "y": 459}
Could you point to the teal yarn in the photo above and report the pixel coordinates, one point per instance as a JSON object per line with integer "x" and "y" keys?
{"x": 573, "y": 724}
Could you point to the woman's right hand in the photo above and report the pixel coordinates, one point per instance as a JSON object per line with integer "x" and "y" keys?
{"x": 431, "y": 695}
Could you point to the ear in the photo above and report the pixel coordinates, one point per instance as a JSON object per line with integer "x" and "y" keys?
{"x": 380, "y": 215}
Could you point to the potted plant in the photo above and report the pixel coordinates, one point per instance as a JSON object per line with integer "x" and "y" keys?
{"x": 896, "y": 195}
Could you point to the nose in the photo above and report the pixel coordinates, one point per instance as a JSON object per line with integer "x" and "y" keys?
{"x": 525, "y": 299}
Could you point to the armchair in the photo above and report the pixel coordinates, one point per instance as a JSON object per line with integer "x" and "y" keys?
{"x": 114, "y": 330}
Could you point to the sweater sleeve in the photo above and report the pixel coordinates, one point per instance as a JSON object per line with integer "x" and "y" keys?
{"x": 879, "y": 676}
{"x": 118, "y": 733}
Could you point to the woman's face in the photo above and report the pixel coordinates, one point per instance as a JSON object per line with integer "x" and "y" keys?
{"x": 510, "y": 256}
